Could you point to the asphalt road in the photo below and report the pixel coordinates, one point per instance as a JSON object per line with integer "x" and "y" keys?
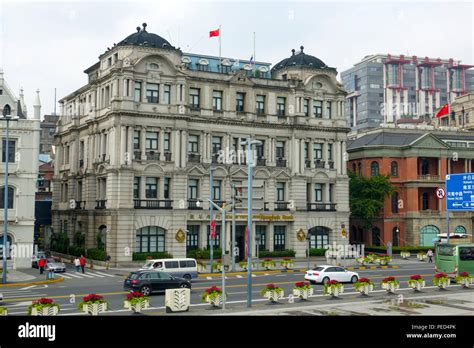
{"x": 109, "y": 284}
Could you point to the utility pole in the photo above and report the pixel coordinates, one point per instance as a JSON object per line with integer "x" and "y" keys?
{"x": 211, "y": 214}
{"x": 233, "y": 228}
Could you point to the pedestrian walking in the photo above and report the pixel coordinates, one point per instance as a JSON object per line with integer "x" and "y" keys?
{"x": 82, "y": 262}
{"x": 41, "y": 264}
{"x": 77, "y": 264}
{"x": 107, "y": 261}
{"x": 430, "y": 256}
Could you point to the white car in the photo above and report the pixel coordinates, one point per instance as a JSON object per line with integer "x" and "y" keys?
{"x": 323, "y": 274}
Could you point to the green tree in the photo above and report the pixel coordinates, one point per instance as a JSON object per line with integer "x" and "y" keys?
{"x": 367, "y": 196}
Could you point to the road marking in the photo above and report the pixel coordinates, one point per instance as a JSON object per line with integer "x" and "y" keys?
{"x": 86, "y": 275}
{"x": 104, "y": 274}
{"x": 95, "y": 274}
{"x": 28, "y": 287}
{"x": 209, "y": 278}
{"x": 266, "y": 274}
{"x": 238, "y": 276}
{"x": 72, "y": 275}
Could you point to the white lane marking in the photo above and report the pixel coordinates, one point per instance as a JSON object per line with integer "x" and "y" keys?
{"x": 209, "y": 278}
{"x": 86, "y": 275}
{"x": 105, "y": 274}
{"x": 267, "y": 274}
{"x": 74, "y": 275}
{"x": 238, "y": 276}
{"x": 253, "y": 275}
{"x": 66, "y": 276}
{"x": 28, "y": 287}
{"x": 95, "y": 274}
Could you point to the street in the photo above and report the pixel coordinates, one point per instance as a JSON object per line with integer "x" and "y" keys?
{"x": 109, "y": 284}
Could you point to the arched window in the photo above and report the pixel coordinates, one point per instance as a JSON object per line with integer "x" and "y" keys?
{"x": 374, "y": 169}
{"x": 428, "y": 234}
{"x": 354, "y": 168}
{"x": 360, "y": 169}
{"x": 153, "y": 66}
{"x": 460, "y": 230}
{"x": 7, "y": 110}
{"x": 395, "y": 236}
{"x": 394, "y": 169}
{"x": 11, "y": 195}
{"x": 395, "y": 202}
{"x": 319, "y": 237}
{"x": 425, "y": 201}
{"x": 376, "y": 236}
{"x": 150, "y": 239}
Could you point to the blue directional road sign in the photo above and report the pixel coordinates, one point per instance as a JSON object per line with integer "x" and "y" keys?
{"x": 460, "y": 192}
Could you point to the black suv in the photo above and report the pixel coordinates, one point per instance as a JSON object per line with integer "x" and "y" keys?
{"x": 153, "y": 281}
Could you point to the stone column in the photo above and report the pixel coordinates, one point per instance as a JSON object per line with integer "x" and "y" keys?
{"x": 337, "y": 154}
{"x": 177, "y": 152}
{"x": 302, "y": 158}
{"x": 343, "y": 162}
{"x": 326, "y": 187}
{"x": 311, "y": 154}
{"x": 162, "y": 144}
{"x": 184, "y": 159}
{"x": 325, "y": 155}
{"x": 143, "y": 142}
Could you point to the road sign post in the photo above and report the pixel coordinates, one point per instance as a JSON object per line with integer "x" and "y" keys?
{"x": 459, "y": 194}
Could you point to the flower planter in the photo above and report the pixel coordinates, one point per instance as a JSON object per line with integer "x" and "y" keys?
{"x": 303, "y": 293}
{"x": 214, "y": 301}
{"x": 362, "y": 261}
{"x": 3, "y": 311}
{"x": 138, "y": 306}
{"x": 335, "y": 291}
{"x": 201, "y": 268}
{"x": 465, "y": 282}
{"x": 405, "y": 255}
{"x": 274, "y": 295}
{"x": 443, "y": 284}
{"x": 366, "y": 289}
{"x": 94, "y": 308}
{"x": 390, "y": 287}
{"x": 421, "y": 257}
{"x": 417, "y": 286}
{"x": 46, "y": 311}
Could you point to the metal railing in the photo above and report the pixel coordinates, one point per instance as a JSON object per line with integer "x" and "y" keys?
{"x": 281, "y": 205}
{"x": 100, "y": 204}
{"x": 428, "y": 177}
{"x": 280, "y": 162}
{"x": 319, "y": 164}
{"x": 321, "y": 206}
{"x": 194, "y": 158}
{"x": 153, "y": 204}
{"x": 194, "y": 205}
{"x": 167, "y": 156}
{"x": 152, "y": 156}
{"x": 262, "y": 162}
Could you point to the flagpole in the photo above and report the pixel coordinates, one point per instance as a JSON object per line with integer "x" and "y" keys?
{"x": 254, "y": 57}
{"x": 220, "y": 36}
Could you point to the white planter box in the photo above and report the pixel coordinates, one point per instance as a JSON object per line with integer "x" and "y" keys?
{"x": 274, "y": 296}
{"x": 215, "y": 301}
{"x": 405, "y": 256}
{"x": 360, "y": 261}
{"x": 390, "y": 287}
{"x": 303, "y": 293}
{"x": 4, "y": 313}
{"x": 335, "y": 292}
{"x": 177, "y": 300}
{"x": 417, "y": 286}
{"x": 421, "y": 257}
{"x": 47, "y": 311}
{"x": 444, "y": 284}
{"x": 94, "y": 308}
{"x": 364, "y": 290}
{"x": 465, "y": 282}
{"x": 138, "y": 307}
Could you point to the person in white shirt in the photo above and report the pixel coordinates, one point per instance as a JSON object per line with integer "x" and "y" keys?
{"x": 77, "y": 264}
{"x": 430, "y": 256}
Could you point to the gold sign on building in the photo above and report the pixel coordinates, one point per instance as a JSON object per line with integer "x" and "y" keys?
{"x": 344, "y": 232}
{"x": 180, "y": 236}
{"x": 300, "y": 235}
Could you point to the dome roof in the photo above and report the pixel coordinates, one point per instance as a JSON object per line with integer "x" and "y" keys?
{"x": 146, "y": 39}
{"x": 300, "y": 59}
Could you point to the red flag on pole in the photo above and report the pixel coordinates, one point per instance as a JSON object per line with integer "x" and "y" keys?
{"x": 246, "y": 242}
{"x": 213, "y": 33}
{"x": 213, "y": 229}
{"x": 443, "y": 111}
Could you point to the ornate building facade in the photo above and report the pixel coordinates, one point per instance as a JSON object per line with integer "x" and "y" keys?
{"x": 136, "y": 144}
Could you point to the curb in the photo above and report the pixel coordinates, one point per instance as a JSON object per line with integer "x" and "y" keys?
{"x": 253, "y": 272}
{"x": 370, "y": 267}
{"x": 57, "y": 280}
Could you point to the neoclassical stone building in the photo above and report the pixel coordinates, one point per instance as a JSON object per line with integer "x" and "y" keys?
{"x": 135, "y": 146}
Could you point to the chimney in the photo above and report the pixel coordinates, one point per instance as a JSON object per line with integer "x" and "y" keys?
{"x": 37, "y": 106}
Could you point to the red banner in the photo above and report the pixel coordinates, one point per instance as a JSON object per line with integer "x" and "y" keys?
{"x": 213, "y": 229}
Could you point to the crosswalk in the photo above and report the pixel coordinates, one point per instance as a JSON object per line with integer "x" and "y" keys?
{"x": 22, "y": 293}
{"x": 87, "y": 274}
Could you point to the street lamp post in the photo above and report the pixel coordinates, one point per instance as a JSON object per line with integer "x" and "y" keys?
{"x": 249, "y": 142}
{"x": 211, "y": 214}
{"x": 308, "y": 238}
{"x": 232, "y": 251}
{"x": 6, "y": 117}
{"x": 257, "y": 239}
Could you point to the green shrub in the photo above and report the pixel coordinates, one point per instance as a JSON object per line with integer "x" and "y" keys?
{"x": 204, "y": 254}
{"x": 143, "y": 256}
{"x": 75, "y": 251}
{"x": 317, "y": 252}
{"x": 283, "y": 253}
{"x": 96, "y": 254}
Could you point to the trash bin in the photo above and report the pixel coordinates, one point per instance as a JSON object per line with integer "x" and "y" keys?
{"x": 177, "y": 300}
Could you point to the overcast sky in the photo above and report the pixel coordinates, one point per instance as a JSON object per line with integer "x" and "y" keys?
{"x": 48, "y": 45}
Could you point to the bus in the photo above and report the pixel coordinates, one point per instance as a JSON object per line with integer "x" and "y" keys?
{"x": 454, "y": 258}
{"x": 454, "y": 238}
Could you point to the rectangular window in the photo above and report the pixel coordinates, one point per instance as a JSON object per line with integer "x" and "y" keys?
{"x": 11, "y": 151}
{"x": 136, "y": 140}
{"x": 280, "y": 149}
{"x": 167, "y": 94}
{"x": 152, "y": 91}
{"x": 329, "y": 152}
{"x": 194, "y": 94}
{"x": 318, "y": 151}
{"x": 11, "y": 193}
{"x": 151, "y": 188}
{"x": 217, "y": 100}
{"x": 192, "y": 239}
{"x": 260, "y": 148}
{"x": 217, "y": 240}
{"x": 166, "y": 188}
{"x": 279, "y": 238}
{"x": 306, "y": 150}
{"x": 240, "y": 100}
{"x": 138, "y": 91}
{"x": 136, "y": 188}
{"x": 306, "y": 107}
{"x": 329, "y": 108}
{"x": 281, "y": 105}
{"x": 318, "y": 108}
{"x": 167, "y": 141}
{"x": 260, "y": 104}
{"x": 261, "y": 237}
{"x": 217, "y": 190}
{"x": 280, "y": 191}
{"x": 216, "y": 145}
{"x": 318, "y": 192}
{"x": 193, "y": 188}
{"x": 193, "y": 143}
{"x": 151, "y": 140}
{"x": 331, "y": 190}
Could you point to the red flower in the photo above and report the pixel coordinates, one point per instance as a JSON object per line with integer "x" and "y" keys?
{"x": 43, "y": 301}
{"x": 134, "y": 294}
{"x": 464, "y": 274}
{"x": 332, "y": 282}
{"x": 92, "y": 297}
{"x": 364, "y": 280}
{"x": 441, "y": 275}
{"x": 416, "y": 277}
{"x": 388, "y": 279}
{"x": 213, "y": 289}
{"x": 286, "y": 259}
{"x": 301, "y": 284}
{"x": 271, "y": 286}
{"x": 268, "y": 260}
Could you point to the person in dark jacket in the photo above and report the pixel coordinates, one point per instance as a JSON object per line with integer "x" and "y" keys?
{"x": 42, "y": 264}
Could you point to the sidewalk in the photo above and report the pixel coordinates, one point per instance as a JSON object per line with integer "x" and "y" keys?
{"x": 29, "y": 277}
